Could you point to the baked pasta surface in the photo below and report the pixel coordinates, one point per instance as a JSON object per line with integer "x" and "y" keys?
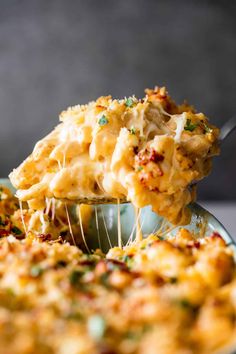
{"x": 149, "y": 151}
{"x": 165, "y": 296}
{"x": 158, "y": 296}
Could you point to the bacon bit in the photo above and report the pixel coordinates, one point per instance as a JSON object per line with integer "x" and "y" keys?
{"x": 215, "y": 234}
{"x": 136, "y": 274}
{"x": 45, "y": 237}
{"x": 163, "y": 97}
{"x": 155, "y": 156}
{"x": 135, "y": 148}
{"x": 216, "y": 237}
{"x": 87, "y": 262}
{"x": 104, "y": 349}
{"x": 109, "y": 265}
{"x": 154, "y": 189}
{"x": 144, "y": 157}
{"x": 100, "y": 107}
{"x": 4, "y": 232}
{"x": 193, "y": 244}
{"x": 143, "y": 179}
{"x": 112, "y": 263}
{"x": 197, "y": 244}
{"x": 159, "y": 280}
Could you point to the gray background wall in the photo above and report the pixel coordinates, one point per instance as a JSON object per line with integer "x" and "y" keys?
{"x": 55, "y": 53}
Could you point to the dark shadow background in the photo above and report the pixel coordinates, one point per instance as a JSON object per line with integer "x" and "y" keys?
{"x": 56, "y": 53}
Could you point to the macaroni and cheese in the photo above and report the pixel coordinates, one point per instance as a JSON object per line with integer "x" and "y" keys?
{"x": 148, "y": 151}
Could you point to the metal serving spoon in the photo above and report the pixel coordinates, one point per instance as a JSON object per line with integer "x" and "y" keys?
{"x": 225, "y": 131}
{"x": 228, "y": 128}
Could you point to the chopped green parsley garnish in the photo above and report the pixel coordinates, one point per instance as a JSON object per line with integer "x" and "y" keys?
{"x": 132, "y": 130}
{"x": 129, "y": 102}
{"x": 206, "y": 128}
{"x": 185, "y": 304}
{"x": 139, "y": 168}
{"x": 10, "y": 292}
{"x": 104, "y": 279}
{"x": 75, "y": 277}
{"x": 129, "y": 260}
{"x": 74, "y": 316}
{"x": 126, "y": 258}
{"x": 96, "y": 326}
{"x": 103, "y": 121}
{"x": 16, "y": 230}
{"x": 190, "y": 126}
{"x": 36, "y": 271}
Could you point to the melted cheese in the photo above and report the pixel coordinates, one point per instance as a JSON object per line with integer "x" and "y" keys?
{"x": 119, "y": 224}
{"x": 82, "y": 230}
{"x": 139, "y": 235}
{"x": 69, "y": 223}
{"x": 22, "y": 217}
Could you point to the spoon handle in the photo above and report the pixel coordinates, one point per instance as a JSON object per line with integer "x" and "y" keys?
{"x": 228, "y": 128}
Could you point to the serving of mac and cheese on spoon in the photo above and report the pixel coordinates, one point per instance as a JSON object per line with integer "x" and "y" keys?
{"x": 147, "y": 151}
